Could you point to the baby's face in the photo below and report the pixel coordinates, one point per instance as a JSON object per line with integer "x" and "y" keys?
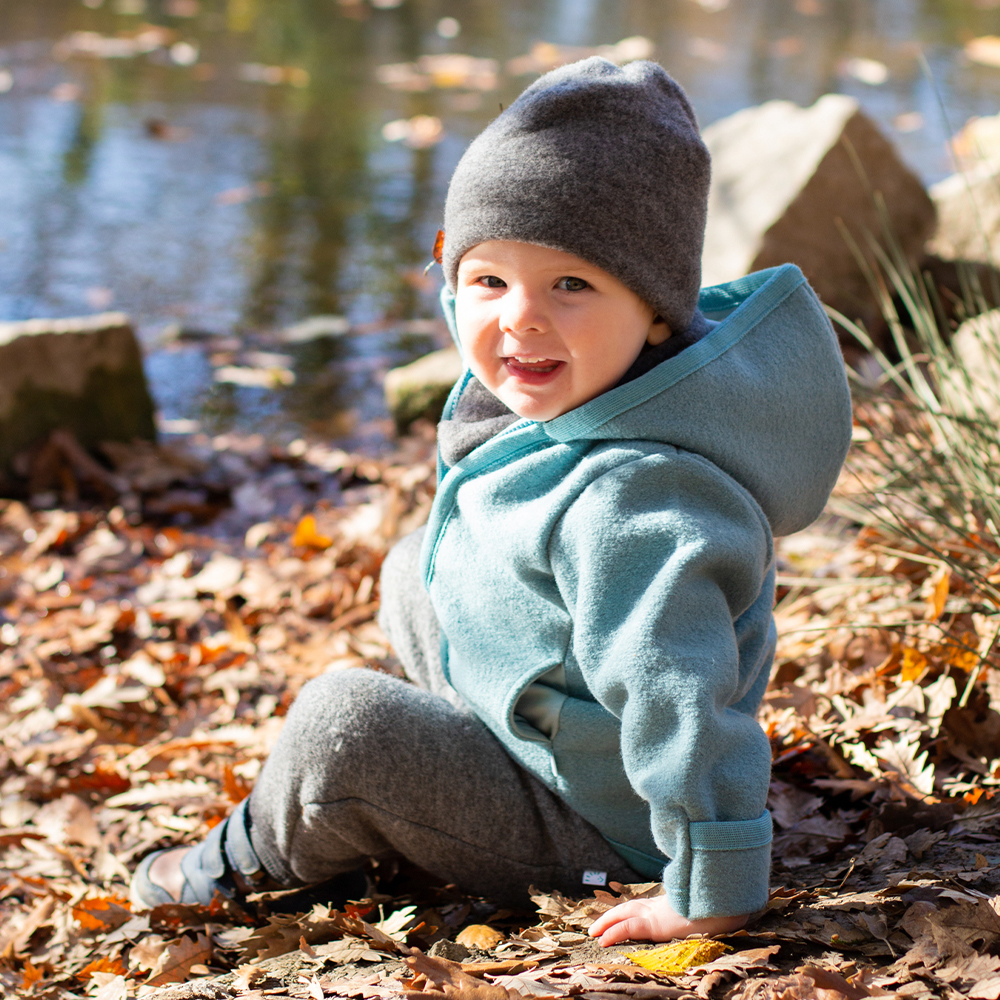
{"x": 545, "y": 331}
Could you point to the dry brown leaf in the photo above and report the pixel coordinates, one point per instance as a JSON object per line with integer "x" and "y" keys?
{"x": 977, "y": 924}
{"x": 811, "y": 982}
{"x": 68, "y": 820}
{"x": 452, "y": 983}
{"x": 175, "y": 963}
{"x": 146, "y": 954}
{"x": 113, "y": 988}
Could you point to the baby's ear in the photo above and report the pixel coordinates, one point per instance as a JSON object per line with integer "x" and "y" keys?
{"x": 659, "y": 331}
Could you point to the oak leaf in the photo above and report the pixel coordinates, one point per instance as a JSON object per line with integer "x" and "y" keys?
{"x": 175, "y": 963}
{"x": 103, "y": 913}
{"x": 115, "y": 966}
{"x": 451, "y": 982}
{"x": 31, "y": 975}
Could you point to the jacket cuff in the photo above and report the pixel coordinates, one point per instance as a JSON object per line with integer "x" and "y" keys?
{"x": 723, "y": 871}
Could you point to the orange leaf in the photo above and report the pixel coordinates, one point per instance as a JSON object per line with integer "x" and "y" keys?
{"x": 480, "y": 936}
{"x": 940, "y": 585}
{"x": 439, "y": 247}
{"x": 32, "y": 975}
{"x": 307, "y": 536}
{"x": 964, "y": 657}
{"x": 973, "y": 796}
{"x": 235, "y": 787}
{"x": 914, "y": 663}
{"x": 114, "y": 966}
{"x": 104, "y": 913}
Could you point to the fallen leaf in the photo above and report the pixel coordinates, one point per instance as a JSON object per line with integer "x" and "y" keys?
{"x": 676, "y": 957}
{"x": 940, "y": 583}
{"x": 480, "y": 936}
{"x": 102, "y": 913}
{"x": 174, "y": 964}
{"x": 914, "y": 664}
{"x": 307, "y": 535}
{"x": 114, "y": 966}
{"x": 31, "y": 975}
{"x": 453, "y": 983}
{"x": 114, "y": 988}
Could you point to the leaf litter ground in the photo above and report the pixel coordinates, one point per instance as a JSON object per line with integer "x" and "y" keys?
{"x": 145, "y": 670}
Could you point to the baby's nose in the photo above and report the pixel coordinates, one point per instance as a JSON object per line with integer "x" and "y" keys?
{"x": 522, "y": 311}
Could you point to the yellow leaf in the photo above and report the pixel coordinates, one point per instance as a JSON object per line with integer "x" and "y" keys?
{"x": 940, "y": 584}
{"x": 307, "y": 535}
{"x": 677, "y": 956}
{"x": 479, "y": 936}
{"x": 914, "y": 663}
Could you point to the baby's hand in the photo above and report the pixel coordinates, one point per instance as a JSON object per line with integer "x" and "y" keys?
{"x": 655, "y": 920}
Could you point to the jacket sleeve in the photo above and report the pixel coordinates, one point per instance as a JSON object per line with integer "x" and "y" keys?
{"x": 665, "y": 564}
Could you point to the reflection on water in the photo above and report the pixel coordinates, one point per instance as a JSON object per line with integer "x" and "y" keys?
{"x": 222, "y": 166}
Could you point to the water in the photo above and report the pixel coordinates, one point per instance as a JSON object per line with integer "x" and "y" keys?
{"x": 234, "y": 178}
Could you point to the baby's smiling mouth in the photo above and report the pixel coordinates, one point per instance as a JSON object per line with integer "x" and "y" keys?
{"x": 531, "y": 364}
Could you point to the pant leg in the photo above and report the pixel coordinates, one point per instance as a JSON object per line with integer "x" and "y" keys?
{"x": 369, "y": 766}
{"x": 408, "y": 619}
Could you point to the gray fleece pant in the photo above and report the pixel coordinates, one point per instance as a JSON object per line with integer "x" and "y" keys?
{"x": 371, "y": 766}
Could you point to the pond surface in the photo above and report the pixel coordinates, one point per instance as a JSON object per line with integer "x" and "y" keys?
{"x": 223, "y": 169}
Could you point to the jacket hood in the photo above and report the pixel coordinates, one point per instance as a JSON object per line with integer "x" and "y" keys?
{"x": 763, "y": 396}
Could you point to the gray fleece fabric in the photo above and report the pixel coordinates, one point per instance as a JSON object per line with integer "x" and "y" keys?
{"x": 604, "y": 162}
{"x": 371, "y": 766}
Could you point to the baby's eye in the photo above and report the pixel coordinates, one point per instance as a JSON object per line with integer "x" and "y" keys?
{"x": 572, "y": 284}
{"x": 492, "y": 281}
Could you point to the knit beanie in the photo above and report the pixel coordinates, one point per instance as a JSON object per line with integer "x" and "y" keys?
{"x": 600, "y": 161}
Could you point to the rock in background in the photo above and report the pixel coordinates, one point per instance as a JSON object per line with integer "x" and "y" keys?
{"x": 783, "y": 177}
{"x": 968, "y": 203}
{"x": 84, "y": 375}
{"x": 420, "y": 389}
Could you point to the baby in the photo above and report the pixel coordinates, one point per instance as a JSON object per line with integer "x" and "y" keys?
{"x": 586, "y": 618}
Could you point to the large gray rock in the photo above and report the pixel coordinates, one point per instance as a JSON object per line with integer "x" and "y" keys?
{"x": 83, "y": 375}
{"x": 968, "y": 207}
{"x": 972, "y": 388}
{"x": 783, "y": 180}
{"x": 420, "y": 389}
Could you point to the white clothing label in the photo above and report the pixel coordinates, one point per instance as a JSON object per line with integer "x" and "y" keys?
{"x": 595, "y": 878}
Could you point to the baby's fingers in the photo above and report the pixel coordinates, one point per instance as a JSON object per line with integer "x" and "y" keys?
{"x": 630, "y": 929}
{"x": 620, "y": 922}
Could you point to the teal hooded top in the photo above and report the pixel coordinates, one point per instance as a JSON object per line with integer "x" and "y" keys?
{"x": 623, "y": 552}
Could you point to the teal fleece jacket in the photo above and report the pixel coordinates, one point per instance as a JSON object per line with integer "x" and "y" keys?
{"x": 630, "y": 542}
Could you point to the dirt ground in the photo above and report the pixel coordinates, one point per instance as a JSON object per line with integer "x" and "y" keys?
{"x": 146, "y": 666}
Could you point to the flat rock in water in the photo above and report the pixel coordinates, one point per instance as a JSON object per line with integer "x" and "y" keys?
{"x": 419, "y": 390}
{"x": 783, "y": 179}
{"x": 83, "y": 375}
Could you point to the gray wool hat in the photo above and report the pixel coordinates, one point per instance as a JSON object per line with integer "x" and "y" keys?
{"x": 601, "y": 161}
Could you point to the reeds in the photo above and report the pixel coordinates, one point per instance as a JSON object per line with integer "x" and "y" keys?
{"x": 926, "y": 460}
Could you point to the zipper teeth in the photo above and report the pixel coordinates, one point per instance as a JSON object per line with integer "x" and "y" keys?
{"x": 516, "y": 426}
